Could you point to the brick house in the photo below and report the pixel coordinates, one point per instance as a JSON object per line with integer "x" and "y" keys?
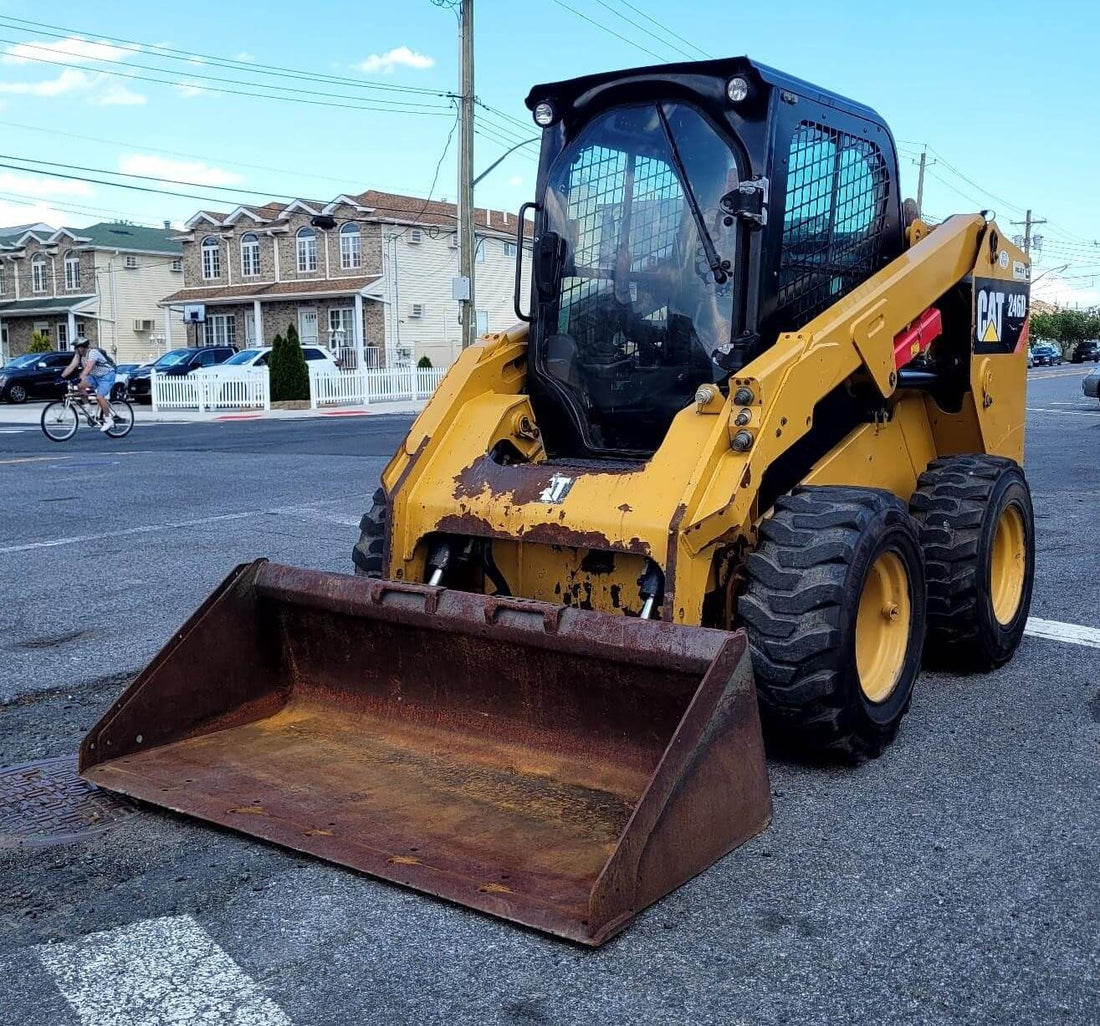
{"x": 103, "y": 282}
{"x": 380, "y": 279}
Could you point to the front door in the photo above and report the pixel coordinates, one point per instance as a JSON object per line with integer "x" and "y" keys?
{"x": 307, "y": 324}
{"x": 250, "y": 329}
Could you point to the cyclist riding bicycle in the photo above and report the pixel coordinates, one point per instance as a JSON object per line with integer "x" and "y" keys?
{"x": 96, "y": 374}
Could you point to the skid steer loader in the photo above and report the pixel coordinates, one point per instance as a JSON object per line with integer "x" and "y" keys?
{"x": 753, "y": 450}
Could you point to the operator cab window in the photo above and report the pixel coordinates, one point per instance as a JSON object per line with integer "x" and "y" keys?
{"x": 638, "y": 312}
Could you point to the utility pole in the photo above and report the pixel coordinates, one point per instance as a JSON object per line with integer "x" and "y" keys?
{"x": 1028, "y": 222}
{"x": 466, "y": 238}
{"x": 923, "y": 165}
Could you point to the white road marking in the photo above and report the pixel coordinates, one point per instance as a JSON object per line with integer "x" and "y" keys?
{"x": 1065, "y": 413}
{"x": 1070, "y": 633}
{"x": 79, "y": 539}
{"x": 160, "y": 972}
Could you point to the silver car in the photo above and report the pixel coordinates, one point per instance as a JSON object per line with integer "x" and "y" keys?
{"x": 1091, "y": 385}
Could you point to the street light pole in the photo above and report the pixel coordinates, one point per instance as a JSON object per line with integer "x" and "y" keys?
{"x": 466, "y": 240}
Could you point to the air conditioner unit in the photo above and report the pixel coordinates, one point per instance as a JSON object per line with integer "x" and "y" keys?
{"x": 416, "y": 309}
{"x": 143, "y": 325}
{"x": 416, "y": 236}
{"x": 131, "y": 261}
{"x": 454, "y": 241}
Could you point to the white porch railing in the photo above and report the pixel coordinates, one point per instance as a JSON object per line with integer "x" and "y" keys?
{"x": 362, "y": 387}
{"x": 236, "y": 388}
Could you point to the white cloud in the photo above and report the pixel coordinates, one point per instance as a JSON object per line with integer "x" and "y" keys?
{"x": 113, "y": 94}
{"x": 42, "y": 188}
{"x": 14, "y": 212}
{"x": 399, "y": 56}
{"x": 244, "y": 57}
{"x": 189, "y": 90}
{"x": 72, "y": 50}
{"x": 193, "y": 172}
{"x": 515, "y": 180}
{"x": 1079, "y": 292}
{"x": 69, "y": 81}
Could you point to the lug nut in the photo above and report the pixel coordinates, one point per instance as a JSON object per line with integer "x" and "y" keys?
{"x": 742, "y": 441}
{"x": 743, "y": 396}
{"x": 742, "y": 418}
{"x": 704, "y": 396}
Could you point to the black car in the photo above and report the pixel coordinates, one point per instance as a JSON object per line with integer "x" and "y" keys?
{"x": 176, "y": 362}
{"x": 1046, "y": 354}
{"x": 33, "y": 376}
{"x": 1087, "y": 350}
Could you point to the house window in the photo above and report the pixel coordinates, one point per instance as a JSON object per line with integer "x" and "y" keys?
{"x": 250, "y": 255}
{"x": 62, "y": 334}
{"x": 72, "y": 271}
{"x": 177, "y": 264}
{"x": 211, "y": 258}
{"x": 42, "y": 328}
{"x": 307, "y": 250}
{"x": 38, "y": 274}
{"x": 130, "y": 262}
{"x": 351, "y": 247}
{"x": 220, "y": 330}
{"x": 510, "y": 249}
{"x": 482, "y": 323}
{"x": 2, "y": 284}
{"x": 341, "y": 326}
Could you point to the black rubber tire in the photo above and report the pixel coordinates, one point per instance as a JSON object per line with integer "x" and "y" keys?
{"x": 124, "y": 419}
{"x": 804, "y": 584}
{"x": 17, "y": 394}
{"x": 367, "y": 552}
{"x": 958, "y": 505}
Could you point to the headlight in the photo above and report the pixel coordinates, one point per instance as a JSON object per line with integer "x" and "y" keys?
{"x": 737, "y": 89}
{"x": 545, "y": 114}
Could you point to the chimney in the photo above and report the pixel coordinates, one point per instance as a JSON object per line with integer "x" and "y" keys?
{"x": 505, "y": 213}
{"x": 167, "y": 226}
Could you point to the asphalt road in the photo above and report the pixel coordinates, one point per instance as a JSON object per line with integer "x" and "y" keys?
{"x": 956, "y": 879}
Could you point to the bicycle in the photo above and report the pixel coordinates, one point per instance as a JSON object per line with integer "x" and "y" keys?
{"x": 61, "y": 418}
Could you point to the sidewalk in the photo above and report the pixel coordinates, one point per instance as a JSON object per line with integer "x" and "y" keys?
{"x": 30, "y": 413}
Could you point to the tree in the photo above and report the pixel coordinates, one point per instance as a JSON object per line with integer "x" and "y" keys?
{"x": 424, "y": 363}
{"x": 287, "y": 366}
{"x": 40, "y": 343}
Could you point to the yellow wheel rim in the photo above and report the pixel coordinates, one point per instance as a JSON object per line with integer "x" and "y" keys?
{"x": 882, "y": 627}
{"x": 1008, "y": 566}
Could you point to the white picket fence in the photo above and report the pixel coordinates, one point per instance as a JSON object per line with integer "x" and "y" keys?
{"x": 361, "y": 387}
{"x": 231, "y": 388}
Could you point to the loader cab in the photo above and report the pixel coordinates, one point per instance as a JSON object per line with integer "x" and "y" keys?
{"x": 687, "y": 214}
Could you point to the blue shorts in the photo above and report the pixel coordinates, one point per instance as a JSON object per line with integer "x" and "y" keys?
{"x": 102, "y": 385}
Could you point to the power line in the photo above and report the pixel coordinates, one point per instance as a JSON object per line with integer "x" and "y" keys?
{"x": 610, "y": 31}
{"x": 435, "y": 177}
{"x": 648, "y": 32}
{"x": 428, "y": 111}
{"x": 231, "y": 64}
{"x": 665, "y": 28}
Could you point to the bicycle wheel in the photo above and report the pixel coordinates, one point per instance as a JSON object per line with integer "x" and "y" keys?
{"x": 124, "y": 418}
{"x": 59, "y": 422}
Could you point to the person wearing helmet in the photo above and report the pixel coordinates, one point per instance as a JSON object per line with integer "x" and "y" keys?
{"x": 96, "y": 375}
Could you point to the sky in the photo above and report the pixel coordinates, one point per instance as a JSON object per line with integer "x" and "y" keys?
{"x": 1003, "y": 95}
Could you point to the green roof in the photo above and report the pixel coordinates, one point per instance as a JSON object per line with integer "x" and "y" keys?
{"x": 114, "y": 235}
{"x": 45, "y": 304}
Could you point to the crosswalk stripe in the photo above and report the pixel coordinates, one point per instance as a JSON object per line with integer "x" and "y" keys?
{"x": 1070, "y": 633}
{"x": 157, "y": 972}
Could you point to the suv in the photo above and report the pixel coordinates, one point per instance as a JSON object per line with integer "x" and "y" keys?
{"x": 35, "y": 376}
{"x": 176, "y": 362}
{"x": 1046, "y": 353}
{"x": 1087, "y": 350}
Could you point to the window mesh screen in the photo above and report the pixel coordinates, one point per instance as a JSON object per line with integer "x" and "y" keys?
{"x": 835, "y": 213}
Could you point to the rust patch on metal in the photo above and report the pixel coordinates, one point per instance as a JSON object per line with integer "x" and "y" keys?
{"x": 403, "y": 860}
{"x": 625, "y": 508}
{"x": 539, "y": 534}
{"x": 670, "y": 565}
{"x": 494, "y": 888}
{"x": 248, "y": 810}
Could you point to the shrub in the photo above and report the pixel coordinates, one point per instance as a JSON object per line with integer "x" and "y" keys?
{"x": 424, "y": 363}
{"x": 39, "y": 343}
{"x": 287, "y": 365}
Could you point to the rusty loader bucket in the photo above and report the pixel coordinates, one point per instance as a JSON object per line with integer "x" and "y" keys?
{"x": 555, "y": 767}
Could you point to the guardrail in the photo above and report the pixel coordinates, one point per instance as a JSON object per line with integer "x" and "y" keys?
{"x": 363, "y": 387}
{"x": 237, "y": 388}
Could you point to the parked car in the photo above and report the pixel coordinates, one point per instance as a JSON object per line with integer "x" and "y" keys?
{"x": 33, "y": 376}
{"x": 1046, "y": 354}
{"x": 258, "y": 357}
{"x": 122, "y": 379}
{"x": 1091, "y": 385}
{"x": 1087, "y": 350}
{"x": 1031, "y": 356}
{"x": 176, "y": 362}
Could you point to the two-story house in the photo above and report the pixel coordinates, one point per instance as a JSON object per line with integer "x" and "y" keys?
{"x": 377, "y": 281}
{"x": 103, "y": 282}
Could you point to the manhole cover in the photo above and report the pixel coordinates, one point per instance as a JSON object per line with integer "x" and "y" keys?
{"x": 45, "y": 802}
